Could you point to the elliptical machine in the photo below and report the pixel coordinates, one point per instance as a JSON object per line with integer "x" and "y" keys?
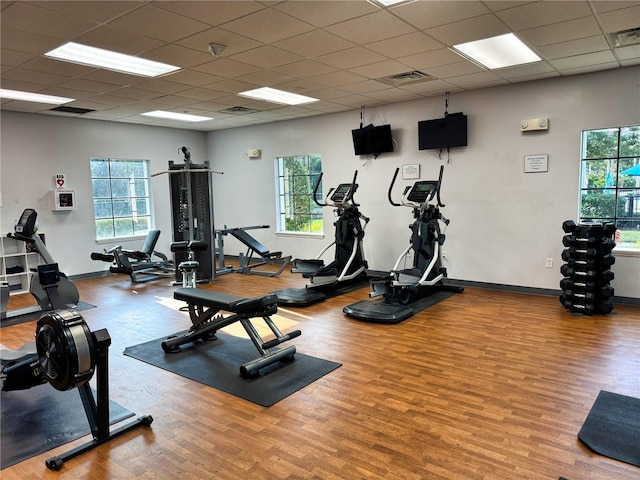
{"x": 405, "y": 289}
{"x": 349, "y": 266}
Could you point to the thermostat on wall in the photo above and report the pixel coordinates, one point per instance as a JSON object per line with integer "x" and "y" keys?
{"x": 253, "y": 153}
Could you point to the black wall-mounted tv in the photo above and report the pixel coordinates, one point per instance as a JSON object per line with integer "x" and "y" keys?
{"x": 372, "y": 140}
{"x": 447, "y": 132}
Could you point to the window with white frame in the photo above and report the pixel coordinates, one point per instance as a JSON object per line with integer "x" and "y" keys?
{"x": 121, "y": 197}
{"x": 296, "y": 179}
{"x": 610, "y": 181}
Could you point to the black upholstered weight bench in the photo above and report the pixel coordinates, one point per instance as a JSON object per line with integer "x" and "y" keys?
{"x": 205, "y": 304}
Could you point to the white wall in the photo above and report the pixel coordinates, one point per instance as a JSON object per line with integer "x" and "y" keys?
{"x": 36, "y": 147}
{"x": 504, "y": 223}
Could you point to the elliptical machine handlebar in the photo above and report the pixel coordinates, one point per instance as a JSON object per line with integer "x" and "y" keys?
{"x": 315, "y": 192}
{"x": 440, "y": 204}
{"x": 348, "y": 197}
{"x": 435, "y": 193}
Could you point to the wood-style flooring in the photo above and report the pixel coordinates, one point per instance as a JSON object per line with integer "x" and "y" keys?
{"x": 485, "y": 385}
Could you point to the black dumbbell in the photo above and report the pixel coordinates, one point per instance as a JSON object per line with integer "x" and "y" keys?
{"x": 574, "y": 240}
{"x": 587, "y": 309}
{"x": 585, "y": 297}
{"x": 606, "y": 291}
{"x": 577, "y": 251}
{"x": 574, "y": 270}
{"x": 609, "y": 229}
{"x": 605, "y": 306}
{"x": 607, "y": 260}
{"x": 568, "y": 226}
{"x": 583, "y": 264}
{"x": 568, "y": 284}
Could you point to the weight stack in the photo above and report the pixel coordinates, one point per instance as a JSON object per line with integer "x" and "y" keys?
{"x": 587, "y": 272}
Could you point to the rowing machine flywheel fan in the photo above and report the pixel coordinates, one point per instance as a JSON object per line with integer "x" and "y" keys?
{"x": 66, "y": 349}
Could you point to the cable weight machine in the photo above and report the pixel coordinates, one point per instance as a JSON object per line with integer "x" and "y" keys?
{"x": 192, "y": 215}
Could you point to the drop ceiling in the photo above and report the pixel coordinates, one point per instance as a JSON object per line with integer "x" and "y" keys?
{"x": 348, "y": 54}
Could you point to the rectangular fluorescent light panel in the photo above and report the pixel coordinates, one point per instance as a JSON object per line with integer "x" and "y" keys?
{"x": 497, "y": 52}
{"x": 119, "y": 62}
{"x": 33, "y": 97}
{"x": 277, "y": 96}
{"x": 183, "y": 117}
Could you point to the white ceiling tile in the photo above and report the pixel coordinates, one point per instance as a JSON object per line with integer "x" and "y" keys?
{"x": 11, "y": 58}
{"x": 574, "y": 47}
{"x": 454, "y": 70}
{"x": 305, "y": 69}
{"x": 621, "y": 19}
{"x": 19, "y": 41}
{"x": 411, "y": 43}
{"x": 425, "y": 14}
{"x": 561, "y": 32}
{"x": 433, "y": 58}
{"x": 314, "y": 44}
{"x": 28, "y": 18}
{"x": 581, "y": 61}
{"x": 352, "y": 57}
{"x": 118, "y": 40}
{"x": 485, "y": 26}
{"x": 336, "y": 79}
{"x": 89, "y": 10}
{"x": 193, "y": 78}
{"x": 267, "y": 57}
{"x": 268, "y": 26}
{"x": 528, "y": 70}
{"x": 211, "y": 12}
{"x": 371, "y": 28}
{"x": 314, "y": 14}
{"x": 159, "y": 24}
{"x": 179, "y": 56}
{"x": 226, "y": 68}
{"x": 537, "y": 14}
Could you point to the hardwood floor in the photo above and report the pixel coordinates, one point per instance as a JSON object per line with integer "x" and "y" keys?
{"x": 485, "y": 385}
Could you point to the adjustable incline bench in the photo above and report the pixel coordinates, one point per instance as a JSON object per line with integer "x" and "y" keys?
{"x": 253, "y": 246}
{"x": 203, "y": 307}
{"x": 138, "y": 262}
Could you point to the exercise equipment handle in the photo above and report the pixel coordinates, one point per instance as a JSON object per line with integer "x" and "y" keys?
{"x": 19, "y": 236}
{"x": 440, "y": 204}
{"x": 393, "y": 181}
{"x": 315, "y": 192}
{"x": 352, "y": 190}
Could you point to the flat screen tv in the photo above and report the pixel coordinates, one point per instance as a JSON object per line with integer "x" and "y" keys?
{"x": 447, "y": 132}
{"x": 372, "y": 140}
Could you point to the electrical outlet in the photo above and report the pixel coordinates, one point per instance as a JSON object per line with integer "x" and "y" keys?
{"x": 444, "y": 254}
{"x": 549, "y": 263}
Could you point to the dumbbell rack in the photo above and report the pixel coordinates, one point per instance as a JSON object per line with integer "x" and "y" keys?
{"x": 587, "y": 272}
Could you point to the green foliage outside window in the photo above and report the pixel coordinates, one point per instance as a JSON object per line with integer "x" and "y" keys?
{"x": 296, "y": 179}
{"x": 610, "y": 180}
{"x": 121, "y": 197}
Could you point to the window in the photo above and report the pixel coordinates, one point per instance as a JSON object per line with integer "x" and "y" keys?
{"x": 610, "y": 181}
{"x": 296, "y": 178}
{"x": 121, "y": 197}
